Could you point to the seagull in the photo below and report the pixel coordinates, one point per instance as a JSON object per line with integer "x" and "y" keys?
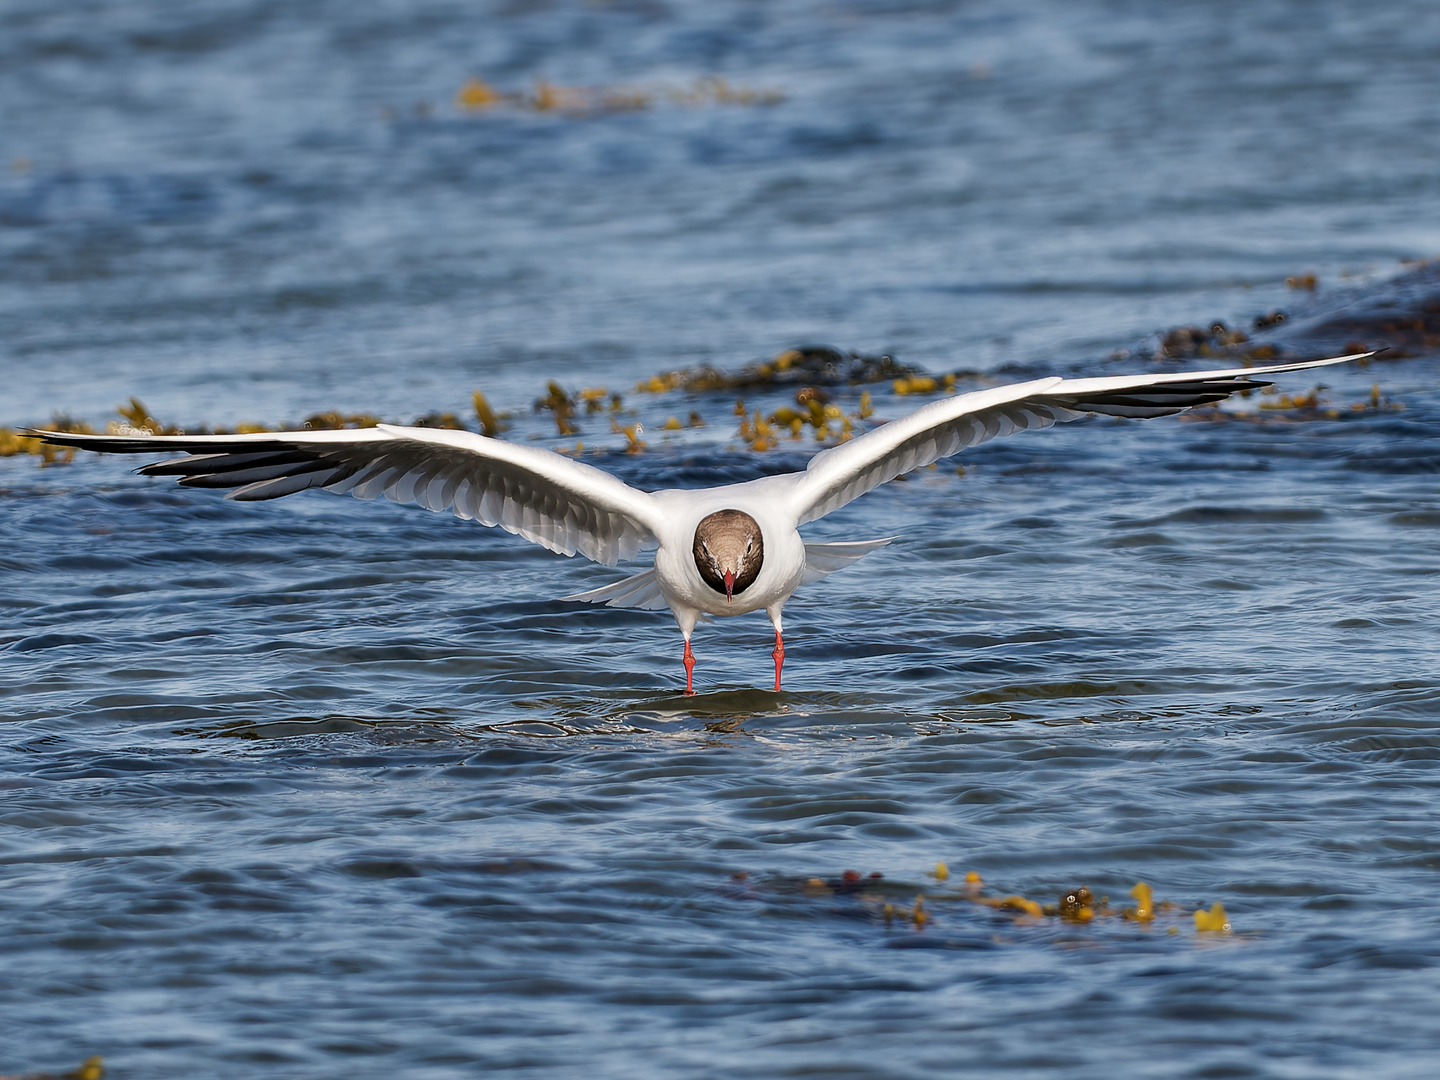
{"x": 722, "y": 551}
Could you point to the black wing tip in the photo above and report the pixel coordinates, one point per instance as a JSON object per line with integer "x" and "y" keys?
{"x": 203, "y": 445}
{"x": 100, "y": 444}
{"x": 60, "y": 438}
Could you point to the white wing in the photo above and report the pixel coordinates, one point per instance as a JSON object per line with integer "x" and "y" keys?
{"x": 823, "y": 559}
{"x": 845, "y": 472}
{"x": 641, "y": 590}
{"x": 564, "y": 505}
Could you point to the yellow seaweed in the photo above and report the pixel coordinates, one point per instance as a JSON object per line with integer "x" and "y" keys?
{"x": 917, "y": 384}
{"x": 13, "y": 443}
{"x": 489, "y": 425}
{"x": 561, "y": 405}
{"x": 758, "y": 432}
{"x": 137, "y": 417}
{"x": 1215, "y": 920}
{"x": 476, "y": 93}
{"x": 1144, "y": 910}
{"x": 594, "y": 399}
{"x": 1078, "y": 905}
{"x": 1015, "y": 903}
{"x": 333, "y": 421}
{"x": 634, "y": 444}
{"x": 446, "y": 420}
{"x": 92, "y": 1068}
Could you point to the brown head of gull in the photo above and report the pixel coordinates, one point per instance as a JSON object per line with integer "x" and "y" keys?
{"x": 722, "y": 551}
{"x": 729, "y": 550}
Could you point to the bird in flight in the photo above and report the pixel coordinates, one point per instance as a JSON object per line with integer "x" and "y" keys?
{"x": 724, "y": 550}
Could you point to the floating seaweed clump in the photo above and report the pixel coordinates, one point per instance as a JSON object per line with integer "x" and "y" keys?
{"x": 810, "y": 365}
{"x": 1215, "y": 920}
{"x": 1185, "y": 342}
{"x": 634, "y": 436}
{"x": 489, "y": 422}
{"x": 136, "y": 419}
{"x": 13, "y": 443}
{"x": 476, "y": 95}
{"x": 898, "y": 905}
{"x": 922, "y": 384}
{"x": 91, "y": 1069}
{"x": 336, "y": 421}
{"x": 1276, "y": 407}
{"x": 1400, "y": 316}
{"x": 816, "y": 375}
{"x": 816, "y": 410}
{"x": 562, "y": 406}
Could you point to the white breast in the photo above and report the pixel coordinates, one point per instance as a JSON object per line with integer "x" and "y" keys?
{"x": 766, "y": 500}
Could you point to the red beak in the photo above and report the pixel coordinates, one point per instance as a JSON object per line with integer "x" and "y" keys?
{"x": 729, "y": 585}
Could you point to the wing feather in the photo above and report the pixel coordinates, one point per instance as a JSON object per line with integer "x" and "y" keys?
{"x": 836, "y": 476}
{"x": 551, "y": 500}
{"x": 822, "y": 559}
{"x": 640, "y": 590}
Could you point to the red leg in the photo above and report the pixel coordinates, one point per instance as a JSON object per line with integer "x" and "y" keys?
{"x": 779, "y": 655}
{"x": 689, "y": 668}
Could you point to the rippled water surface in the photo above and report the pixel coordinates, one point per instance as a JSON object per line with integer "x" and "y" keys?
{"x": 321, "y": 787}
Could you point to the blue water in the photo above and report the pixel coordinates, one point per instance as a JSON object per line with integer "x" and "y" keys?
{"x": 322, "y": 787}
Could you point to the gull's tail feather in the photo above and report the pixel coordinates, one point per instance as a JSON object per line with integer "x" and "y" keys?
{"x": 822, "y": 559}
{"x": 639, "y": 591}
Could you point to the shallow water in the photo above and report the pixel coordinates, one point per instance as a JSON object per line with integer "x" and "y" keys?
{"x": 324, "y": 786}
